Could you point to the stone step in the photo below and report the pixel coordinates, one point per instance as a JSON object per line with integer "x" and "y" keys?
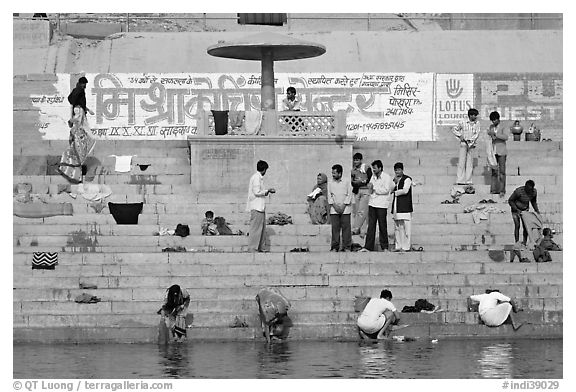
{"x": 49, "y": 184}
{"x": 212, "y": 319}
{"x": 310, "y": 259}
{"x": 108, "y": 179}
{"x": 444, "y": 213}
{"x": 482, "y": 228}
{"x": 43, "y": 279}
{"x": 83, "y": 239}
{"x": 233, "y": 204}
{"x": 450, "y": 309}
{"x": 332, "y": 269}
{"x": 404, "y": 295}
{"x": 345, "y": 332}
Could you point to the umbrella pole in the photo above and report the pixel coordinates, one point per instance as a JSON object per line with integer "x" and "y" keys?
{"x": 267, "y": 90}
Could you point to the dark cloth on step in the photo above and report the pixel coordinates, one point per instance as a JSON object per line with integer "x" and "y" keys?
{"x": 125, "y": 213}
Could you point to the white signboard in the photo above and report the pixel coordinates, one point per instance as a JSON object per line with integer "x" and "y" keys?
{"x": 454, "y": 96}
{"x": 157, "y": 106}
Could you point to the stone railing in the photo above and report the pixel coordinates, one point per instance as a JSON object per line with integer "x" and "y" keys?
{"x": 285, "y": 123}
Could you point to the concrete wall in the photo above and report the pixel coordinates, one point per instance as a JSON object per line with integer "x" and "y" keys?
{"x": 224, "y": 164}
{"x": 397, "y": 51}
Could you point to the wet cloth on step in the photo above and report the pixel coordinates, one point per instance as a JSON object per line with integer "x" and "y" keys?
{"x": 220, "y": 121}
{"x": 253, "y": 121}
{"x": 90, "y": 192}
{"x": 41, "y": 210}
{"x": 280, "y": 219}
{"x": 174, "y": 249}
{"x": 86, "y": 298}
{"x": 533, "y": 224}
{"x": 123, "y": 163}
{"x": 421, "y": 305}
{"x": 125, "y": 214}
{"x": 44, "y": 260}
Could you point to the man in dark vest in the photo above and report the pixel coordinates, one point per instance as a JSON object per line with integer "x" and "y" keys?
{"x": 402, "y": 209}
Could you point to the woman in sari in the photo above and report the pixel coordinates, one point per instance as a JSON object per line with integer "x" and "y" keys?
{"x": 174, "y": 311}
{"x": 318, "y": 201}
{"x": 80, "y": 146}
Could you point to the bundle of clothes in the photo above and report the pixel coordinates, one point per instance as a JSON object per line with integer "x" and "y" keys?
{"x": 280, "y": 219}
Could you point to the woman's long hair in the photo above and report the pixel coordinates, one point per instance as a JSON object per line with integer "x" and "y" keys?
{"x": 174, "y": 297}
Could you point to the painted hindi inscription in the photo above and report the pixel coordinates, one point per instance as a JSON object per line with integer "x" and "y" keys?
{"x": 378, "y": 106}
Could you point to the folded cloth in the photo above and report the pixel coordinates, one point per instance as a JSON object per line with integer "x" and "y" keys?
{"x": 235, "y": 118}
{"x": 86, "y": 298}
{"x": 41, "y": 210}
{"x": 126, "y": 213}
{"x": 44, "y": 260}
{"x": 315, "y": 192}
{"x": 253, "y": 121}
{"x": 220, "y": 121}
{"x": 123, "y": 163}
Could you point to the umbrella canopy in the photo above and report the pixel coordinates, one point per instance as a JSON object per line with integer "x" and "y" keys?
{"x": 251, "y": 48}
{"x": 267, "y": 48}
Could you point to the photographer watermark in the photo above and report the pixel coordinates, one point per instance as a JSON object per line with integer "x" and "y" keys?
{"x": 90, "y": 385}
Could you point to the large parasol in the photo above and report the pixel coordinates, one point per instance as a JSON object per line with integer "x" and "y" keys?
{"x": 267, "y": 47}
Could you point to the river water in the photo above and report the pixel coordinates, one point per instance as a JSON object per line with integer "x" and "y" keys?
{"x": 518, "y": 358}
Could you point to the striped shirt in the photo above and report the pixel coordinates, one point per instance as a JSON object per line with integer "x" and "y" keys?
{"x": 469, "y": 130}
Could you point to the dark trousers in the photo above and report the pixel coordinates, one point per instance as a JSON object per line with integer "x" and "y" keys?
{"x": 376, "y": 215}
{"x": 498, "y": 184}
{"x": 341, "y": 223}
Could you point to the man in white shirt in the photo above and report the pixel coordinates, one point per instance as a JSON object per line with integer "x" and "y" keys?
{"x": 467, "y": 132}
{"x": 377, "y": 318}
{"x": 291, "y": 103}
{"x": 256, "y": 204}
{"x": 494, "y": 308}
{"x": 381, "y": 187}
{"x": 340, "y": 201}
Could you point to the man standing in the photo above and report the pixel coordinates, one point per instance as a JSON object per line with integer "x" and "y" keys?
{"x": 380, "y": 186}
{"x": 340, "y": 200}
{"x": 494, "y": 308}
{"x": 361, "y": 175}
{"x": 519, "y": 202}
{"x": 499, "y": 135}
{"x": 256, "y": 204}
{"x": 377, "y": 318}
{"x": 402, "y": 208}
{"x": 467, "y": 132}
